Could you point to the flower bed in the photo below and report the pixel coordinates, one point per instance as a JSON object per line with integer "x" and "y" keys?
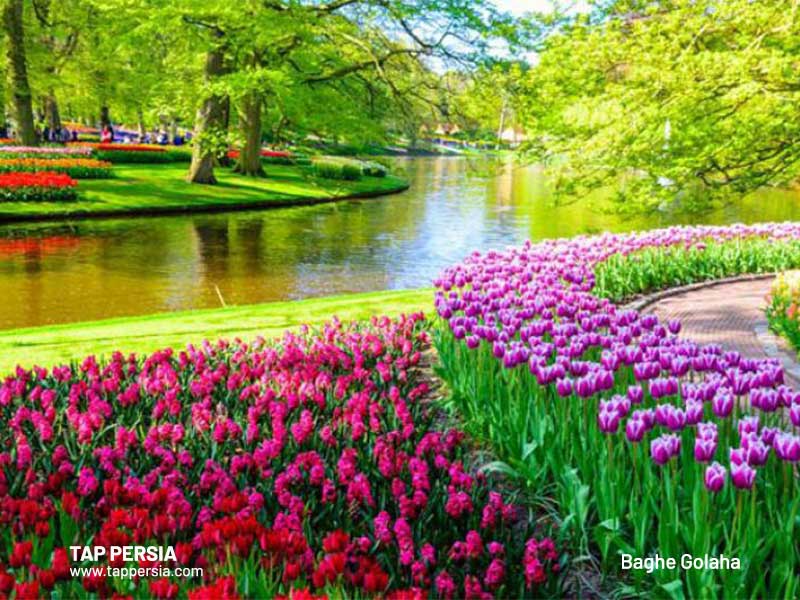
{"x": 272, "y": 157}
{"x": 311, "y": 465}
{"x": 654, "y": 443}
{"x": 45, "y": 152}
{"x": 137, "y": 153}
{"x": 77, "y": 168}
{"x": 783, "y": 307}
{"x": 41, "y": 186}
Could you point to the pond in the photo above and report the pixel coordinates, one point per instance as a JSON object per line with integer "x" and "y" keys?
{"x": 57, "y": 273}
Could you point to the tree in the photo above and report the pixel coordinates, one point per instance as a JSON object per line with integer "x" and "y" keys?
{"x": 14, "y": 26}
{"x": 209, "y": 124}
{"x": 338, "y": 44}
{"x": 678, "y": 100}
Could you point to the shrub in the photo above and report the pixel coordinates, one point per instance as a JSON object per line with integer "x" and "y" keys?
{"x": 374, "y": 169}
{"x": 311, "y": 463}
{"x": 77, "y": 168}
{"x": 336, "y": 170}
{"x": 41, "y": 186}
{"x": 620, "y": 416}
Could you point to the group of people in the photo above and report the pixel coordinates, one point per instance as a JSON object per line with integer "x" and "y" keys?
{"x": 61, "y": 134}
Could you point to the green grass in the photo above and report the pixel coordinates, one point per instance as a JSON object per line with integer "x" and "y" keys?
{"x": 162, "y": 188}
{"x": 56, "y": 344}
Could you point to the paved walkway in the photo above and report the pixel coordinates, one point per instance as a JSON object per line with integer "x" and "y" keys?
{"x": 730, "y": 314}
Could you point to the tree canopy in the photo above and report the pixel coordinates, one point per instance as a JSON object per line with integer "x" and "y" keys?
{"x": 237, "y": 72}
{"x": 687, "y": 100}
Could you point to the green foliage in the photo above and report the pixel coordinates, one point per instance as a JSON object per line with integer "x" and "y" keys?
{"x": 680, "y": 101}
{"x": 336, "y": 170}
{"x": 620, "y": 278}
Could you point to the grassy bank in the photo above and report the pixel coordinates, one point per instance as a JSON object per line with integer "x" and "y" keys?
{"x": 161, "y": 189}
{"x": 61, "y": 343}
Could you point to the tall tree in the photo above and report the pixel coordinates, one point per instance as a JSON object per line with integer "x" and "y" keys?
{"x": 14, "y": 25}
{"x": 210, "y": 123}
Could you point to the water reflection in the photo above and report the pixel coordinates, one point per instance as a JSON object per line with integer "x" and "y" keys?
{"x": 96, "y": 269}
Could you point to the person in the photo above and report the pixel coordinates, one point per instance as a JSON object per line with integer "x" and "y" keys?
{"x": 107, "y": 135}
{"x": 74, "y": 135}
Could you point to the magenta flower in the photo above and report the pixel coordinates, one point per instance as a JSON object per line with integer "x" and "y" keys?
{"x": 664, "y": 448}
{"x": 608, "y": 421}
{"x": 635, "y": 429}
{"x": 704, "y": 449}
{"x": 722, "y": 404}
{"x": 787, "y": 447}
{"x": 715, "y": 477}
{"x": 742, "y": 475}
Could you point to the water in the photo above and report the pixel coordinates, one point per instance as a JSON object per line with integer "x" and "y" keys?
{"x": 58, "y": 273}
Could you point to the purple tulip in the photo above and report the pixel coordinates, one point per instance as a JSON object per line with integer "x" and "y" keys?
{"x": 787, "y": 447}
{"x": 635, "y": 429}
{"x": 664, "y": 447}
{"x": 564, "y": 387}
{"x": 757, "y": 453}
{"x": 768, "y": 434}
{"x": 704, "y": 449}
{"x": 635, "y": 394}
{"x": 608, "y": 420}
{"x": 747, "y": 425}
{"x": 715, "y": 477}
{"x": 694, "y": 412}
{"x": 722, "y": 404}
{"x": 794, "y": 414}
{"x": 742, "y": 475}
{"x": 707, "y": 431}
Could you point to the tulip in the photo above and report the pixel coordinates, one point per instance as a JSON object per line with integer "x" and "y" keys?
{"x": 715, "y": 477}
{"x": 722, "y": 404}
{"x": 664, "y": 448}
{"x": 787, "y": 447}
{"x": 704, "y": 449}
{"x": 742, "y": 475}
{"x": 608, "y": 421}
{"x": 635, "y": 429}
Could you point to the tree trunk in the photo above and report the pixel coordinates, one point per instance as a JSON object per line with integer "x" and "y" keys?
{"x": 208, "y": 123}
{"x": 140, "y": 123}
{"x": 249, "y": 162}
{"x": 51, "y": 112}
{"x": 105, "y": 116}
{"x": 13, "y": 24}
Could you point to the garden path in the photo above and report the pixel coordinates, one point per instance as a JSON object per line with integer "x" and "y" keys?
{"x": 732, "y": 315}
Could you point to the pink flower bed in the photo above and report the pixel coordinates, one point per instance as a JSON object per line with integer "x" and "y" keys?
{"x": 312, "y": 466}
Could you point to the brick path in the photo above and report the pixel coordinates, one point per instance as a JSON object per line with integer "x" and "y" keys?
{"x": 724, "y": 314}
{"x": 727, "y": 314}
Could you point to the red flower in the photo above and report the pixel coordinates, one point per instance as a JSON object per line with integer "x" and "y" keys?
{"x": 163, "y": 589}
{"x": 336, "y": 541}
{"x": 21, "y": 555}
{"x": 27, "y": 591}
{"x": 36, "y": 180}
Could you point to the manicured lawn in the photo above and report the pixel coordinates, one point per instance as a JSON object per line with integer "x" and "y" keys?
{"x": 162, "y": 188}
{"x": 61, "y": 343}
